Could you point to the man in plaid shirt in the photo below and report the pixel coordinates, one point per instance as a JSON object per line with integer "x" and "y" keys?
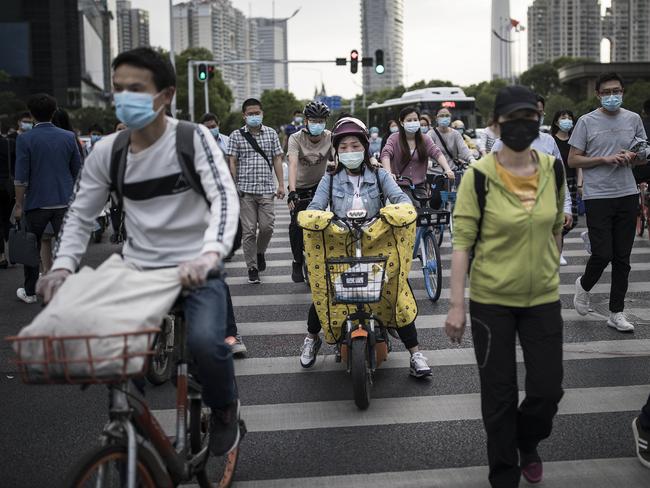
{"x": 255, "y": 154}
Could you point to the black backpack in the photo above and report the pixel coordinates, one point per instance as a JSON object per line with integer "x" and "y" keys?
{"x": 184, "y": 150}
{"x": 185, "y": 153}
{"x": 481, "y": 189}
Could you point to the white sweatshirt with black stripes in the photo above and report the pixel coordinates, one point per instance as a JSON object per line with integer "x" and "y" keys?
{"x": 166, "y": 221}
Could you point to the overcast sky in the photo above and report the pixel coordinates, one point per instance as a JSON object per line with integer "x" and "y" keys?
{"x": 442, "y": 39}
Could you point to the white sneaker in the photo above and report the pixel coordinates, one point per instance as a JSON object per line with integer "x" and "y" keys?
{"x": 22, "y": 295}
{"x": 585, "y": 238}
{"x": 563, "y": 262}
{"x": 581, "y": 299}
{"x": 619, "y": 322}
{"x": 419, "y": 366}
{"x": 309, "y": 351}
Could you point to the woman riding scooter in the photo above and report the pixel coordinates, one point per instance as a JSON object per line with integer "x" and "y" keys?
{"x": 357, "y": 185}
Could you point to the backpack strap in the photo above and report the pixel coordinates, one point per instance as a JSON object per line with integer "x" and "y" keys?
{"x": 119, "y": 152}
{"x": 185, "y": 152}
{"x": 382, "y": 198}
{"x": 480, "y": 188}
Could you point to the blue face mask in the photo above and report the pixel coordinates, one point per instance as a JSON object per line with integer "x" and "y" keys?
{"x": 135, "y": 109}
{"x": 215, "y": 132}
{"x": 565, "y": 125}
{"x": 393, "y": 129}
{"x": 254, "y": 120}
{"x": 94, "y": 138}
{"x": 352, "y": 160}
{"x": 612, "y": 103}
{"x": 298, "y": 120}
{"x": 444, "y": 121}
{"x": 412, "y": 127}
{"x": 424, "y": 129}
{"x": 315, "y": 128}
{"x": 26, "y": 126}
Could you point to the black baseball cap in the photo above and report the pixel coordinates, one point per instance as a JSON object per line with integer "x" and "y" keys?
{"x": 513, "y": 98}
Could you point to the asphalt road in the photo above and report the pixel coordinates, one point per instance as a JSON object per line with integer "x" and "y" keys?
{"x": 304, "y": 428}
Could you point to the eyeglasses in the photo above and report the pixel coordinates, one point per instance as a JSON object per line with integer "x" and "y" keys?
{"x": 615, "y": 91}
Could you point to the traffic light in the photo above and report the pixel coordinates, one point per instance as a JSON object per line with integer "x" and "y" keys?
{"x": 202, "y": 72}
{"x": 211, "y": 70}
{"x": 354, "y": 61}
{"x": 379, "y": 62}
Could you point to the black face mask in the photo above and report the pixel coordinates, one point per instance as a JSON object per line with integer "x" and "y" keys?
{"x": 519, "y": 134}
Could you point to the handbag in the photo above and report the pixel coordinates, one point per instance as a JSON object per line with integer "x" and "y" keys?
{"x": 23, "y": 246}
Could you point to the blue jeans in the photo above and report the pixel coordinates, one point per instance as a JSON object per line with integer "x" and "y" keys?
{"x": 205, "y": 313}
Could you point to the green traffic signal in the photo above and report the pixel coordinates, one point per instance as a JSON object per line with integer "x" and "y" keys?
{"x": 202, "y": 72}
{"x": 380, "y": 68}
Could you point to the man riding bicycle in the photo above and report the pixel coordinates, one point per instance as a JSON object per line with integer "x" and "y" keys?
{"x": 309, "y": 151}
{"x": 168, "y": 222}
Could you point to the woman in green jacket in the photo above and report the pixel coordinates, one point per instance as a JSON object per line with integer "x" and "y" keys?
{"x": 514, "y": 287}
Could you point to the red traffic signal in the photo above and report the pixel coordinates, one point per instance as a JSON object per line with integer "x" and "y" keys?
{"x": 354, "y": 61}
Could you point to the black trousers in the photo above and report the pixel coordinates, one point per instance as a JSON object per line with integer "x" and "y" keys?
{"x": 611, "y": 223}
{"x": 295, "y": 232}
{"x": 6, "y": 205}
{"x": 407, "y": 334}
{"x": 37, "y": 221}
{"x": 231, "y": 324}
{"x": 510, "y": 426}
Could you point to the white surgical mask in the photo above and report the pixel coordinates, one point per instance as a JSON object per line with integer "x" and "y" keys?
{"x": 352, "y": 160}
{"x": 412, "y": 127}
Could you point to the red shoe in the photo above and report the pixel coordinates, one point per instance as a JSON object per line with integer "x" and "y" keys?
{"x": 531, "y": 466}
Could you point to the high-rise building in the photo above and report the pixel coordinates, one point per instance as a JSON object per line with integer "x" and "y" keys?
{"x": 132, "y": 26}
{"x": 627, "y": 26}
{"x": 559, "y": 28}
{"x": 61, "y": 48}
{"x": 501, "y": 42}
{"x": 382, "y": 27}
{"x": 223, "y": 30}
{"x": 271, "y": 43}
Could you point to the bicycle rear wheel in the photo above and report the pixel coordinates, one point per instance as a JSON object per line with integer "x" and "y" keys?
{"x": 106, "y": 466}
{"x": 221, "y": 470}
{"x": 432, "y": 267}
{"x": 439, "y": 232}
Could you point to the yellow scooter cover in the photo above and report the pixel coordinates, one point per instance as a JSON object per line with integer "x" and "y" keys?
{"x": 392, "y": 235}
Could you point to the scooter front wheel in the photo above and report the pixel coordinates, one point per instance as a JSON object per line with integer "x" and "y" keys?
{"x": 360, "y": 374}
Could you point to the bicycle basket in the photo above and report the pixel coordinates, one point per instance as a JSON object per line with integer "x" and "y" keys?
{"x": 428, "y": 217}
{"x": 356, "y": 280}
{"x": 83, "y": 359}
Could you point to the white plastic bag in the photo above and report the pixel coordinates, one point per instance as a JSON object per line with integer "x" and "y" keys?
{"x": 115, "y": 298}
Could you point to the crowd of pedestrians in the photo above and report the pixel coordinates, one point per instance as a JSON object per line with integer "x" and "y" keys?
{"x": 517, "y": 199}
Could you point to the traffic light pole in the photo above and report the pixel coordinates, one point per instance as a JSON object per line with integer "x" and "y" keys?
{"x": 219, "y": 64}
{"x": 205, "y": 92}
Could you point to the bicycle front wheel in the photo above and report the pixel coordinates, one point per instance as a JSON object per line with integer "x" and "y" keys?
{"x": 106, "y": 466}
{"x": 432, "y": 268}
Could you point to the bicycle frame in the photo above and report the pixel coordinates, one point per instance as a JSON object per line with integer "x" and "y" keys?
{"x": 130, "y": 416}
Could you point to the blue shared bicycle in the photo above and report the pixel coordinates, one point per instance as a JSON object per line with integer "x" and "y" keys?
{"x": 426, "y": 249}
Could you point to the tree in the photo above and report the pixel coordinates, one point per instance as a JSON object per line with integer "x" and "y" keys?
{"x": 558, "y": 102}
{"x": 278, "y": 105}
{"x": 542, "y": 79}
{"x": 219, "y": 94}
{"x": 83, "y": 118}
{"x": 485, "y": 94}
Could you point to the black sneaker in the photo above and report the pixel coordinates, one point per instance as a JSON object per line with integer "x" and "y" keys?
{"x": 253, "y": 276}
{"x": 296, "y": 272}
{"x": 224, "y": 429}
{"x": 261, "y": 262}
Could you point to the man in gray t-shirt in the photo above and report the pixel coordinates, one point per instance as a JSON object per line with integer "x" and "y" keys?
{"x": 601, "y": 145}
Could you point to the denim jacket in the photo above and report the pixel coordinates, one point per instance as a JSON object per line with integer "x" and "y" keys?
{"x": 343, "y": 192}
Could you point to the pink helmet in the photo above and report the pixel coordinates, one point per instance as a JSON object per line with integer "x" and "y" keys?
{"x": 349, "y": 126}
